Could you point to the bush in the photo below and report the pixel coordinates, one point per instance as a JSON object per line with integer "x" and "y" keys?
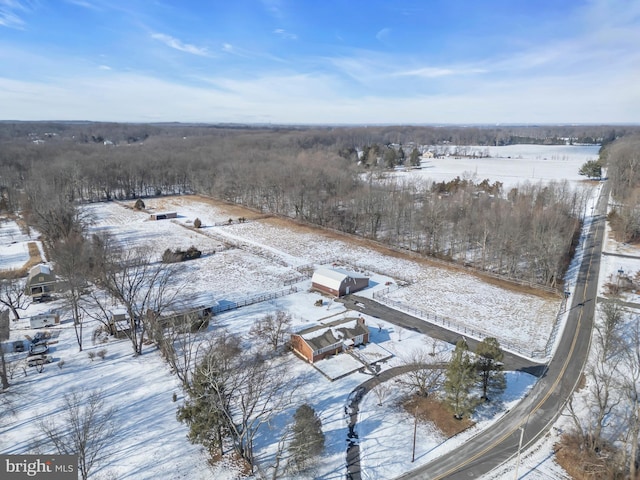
{"x": 197, "y": 223}
{"x": 102, "y": 353}
{"x": 169, "y": 257}
{"x": 139, "y": 205}
{"x": 91, "y": 355}
{"x": 180, "y": 255}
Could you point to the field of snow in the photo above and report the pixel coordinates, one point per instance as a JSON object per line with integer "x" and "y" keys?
{"x": 242, "y": 259}
{"x": 510, "y": 164}
{"x": 14, "y": 250}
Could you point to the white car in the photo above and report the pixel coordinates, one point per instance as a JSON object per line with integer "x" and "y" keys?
{"x": 33, "y": 360}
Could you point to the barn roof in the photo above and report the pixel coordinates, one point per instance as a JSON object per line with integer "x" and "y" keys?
{"x": 40, "y": 269}
{"x": 333, "y": 277}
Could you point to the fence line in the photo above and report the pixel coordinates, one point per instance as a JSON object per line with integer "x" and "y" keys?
{"x": 451, "y": 324}
{"x": 258, "y": 298}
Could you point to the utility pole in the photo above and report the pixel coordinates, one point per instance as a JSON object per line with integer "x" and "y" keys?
{"x": 415, "y": 429}
{"x": 519, "y": 449}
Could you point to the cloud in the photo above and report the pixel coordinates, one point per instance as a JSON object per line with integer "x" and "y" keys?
{"x": 274, "y": 7}
{"x": 9, "y": 14}
{"x": 435, "y": 72}
{"x": 104, "y": 67}
{"x": 383, "y": 35}
{"x": 84, "y": 4}
{"x": 179, "y": 45}
{"x": 297, "y": 98}
{"x": 284, "y": 34}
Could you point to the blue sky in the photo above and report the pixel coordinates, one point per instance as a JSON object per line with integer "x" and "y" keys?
{"x": 321, "y": 61}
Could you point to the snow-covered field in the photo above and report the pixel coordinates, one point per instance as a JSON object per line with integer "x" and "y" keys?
{"x": 14, "y": 250}
{"x": 510, "y": 164}
{"x": 242, "y": 259}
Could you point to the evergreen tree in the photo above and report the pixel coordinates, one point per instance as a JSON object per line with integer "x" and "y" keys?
{"x": 401, "y": 156}
{"x": 489, "y": 367}
{"x": 591, "y": 169}
{"x": 460, "y": 378}
{"x": 414, "y": 159}
{"x": 390, "y": 157}
{"x": 202, "y": 413}
{"x": 308, "y": 439}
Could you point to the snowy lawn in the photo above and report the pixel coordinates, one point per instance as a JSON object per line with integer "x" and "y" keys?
{"x": 257, "y": 256}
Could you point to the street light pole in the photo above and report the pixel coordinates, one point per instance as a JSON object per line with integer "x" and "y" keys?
{"x": 519, "y": 449}
{"x": 415, "y": 429}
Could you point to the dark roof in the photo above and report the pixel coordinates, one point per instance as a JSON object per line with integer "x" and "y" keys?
{"x": 321, "y": 341}
{"x": 358, "y": 329}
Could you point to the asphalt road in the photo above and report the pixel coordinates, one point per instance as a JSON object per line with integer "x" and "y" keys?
{"x": 539, "y": 410}
{"x": 535, "y": 415}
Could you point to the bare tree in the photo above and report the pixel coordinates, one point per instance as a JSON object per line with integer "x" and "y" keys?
{"x": 429, "y": 373}
{"x": 631, "y": 397}
{"x": 72, "y": 256}
{"x": 4, "y": 335}
{"x": 234, "y": 392}
{"x": 85, "y": 429}
{"x": 12, "y": 294}
{"x": 381, "y": 391}
{"x": 272, "y": 329}
{"x": 142, "y": 287}
{"x": 604, "y": 393}
{"x": 180, "y": 342}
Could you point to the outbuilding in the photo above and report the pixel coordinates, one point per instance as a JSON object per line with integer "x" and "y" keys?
{"x": 164, "y": 215}
{"x": 338, "y": 282}
{"x": 41, "y": 282}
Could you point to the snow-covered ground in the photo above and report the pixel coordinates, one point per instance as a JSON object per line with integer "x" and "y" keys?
{"x": 243, "y": 259}
{"x": 510, "y": 164}
{"x": 14, "y": 250}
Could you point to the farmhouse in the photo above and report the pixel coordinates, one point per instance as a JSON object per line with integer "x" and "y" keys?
{"x": 320, "y": 342}
{"x": 40, "y": 282}
{"x": 338, "y": 282}
{"x": 164, "y": 215}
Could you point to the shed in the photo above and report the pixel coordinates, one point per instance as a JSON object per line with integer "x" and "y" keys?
{"x": 41, "y": 282}
{"x": 338, "y": 282}
{"x": 119, "y": 322}
{"x": 164, "y": 215}
{"x": 322, "y": 341}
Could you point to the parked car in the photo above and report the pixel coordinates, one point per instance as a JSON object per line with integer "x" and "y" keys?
{"x": 37, "y": 349}
{"x": 40, "y": 337}
{"x": 39, "y": 359}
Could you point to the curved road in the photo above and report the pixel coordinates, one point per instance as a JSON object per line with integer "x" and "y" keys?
{"x": 535, "y": 414}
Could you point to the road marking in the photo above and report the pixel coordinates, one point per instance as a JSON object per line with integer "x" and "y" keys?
{"x": 549, "y": 392}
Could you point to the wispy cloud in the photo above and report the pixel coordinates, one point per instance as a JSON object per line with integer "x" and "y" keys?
{"x": 435, "y": 72}
{"x": 275, "y": 8}
{"x": 10, "y": 11}
{"x": 84, "y": 4}
{"x": 172, "y": 42}
{"x": 383, "y": 35}
{"x": 282, "y": 33}
{"x": 104, "y": 67}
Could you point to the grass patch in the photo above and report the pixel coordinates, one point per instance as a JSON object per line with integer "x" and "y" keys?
{"x": 34, "y": 259}
{"x": 583, "y": 463}
{"x": 433, "y": 410}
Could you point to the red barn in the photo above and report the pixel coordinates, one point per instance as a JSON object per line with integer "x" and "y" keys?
{"x": 338, "y": 282}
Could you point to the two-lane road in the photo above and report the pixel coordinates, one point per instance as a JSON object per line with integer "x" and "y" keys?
{"x": 539, "y": 410}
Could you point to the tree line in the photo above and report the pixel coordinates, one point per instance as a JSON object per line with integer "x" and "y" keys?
{"x": 312, "y": 175}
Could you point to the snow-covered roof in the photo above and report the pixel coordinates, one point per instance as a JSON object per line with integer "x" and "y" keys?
{"x": 333, "y": 277}
{"x": 333, "y": 334}
{"x": 40, "y": 269}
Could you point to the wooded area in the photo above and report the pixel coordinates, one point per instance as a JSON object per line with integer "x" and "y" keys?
{"x": 310, "y": 174}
